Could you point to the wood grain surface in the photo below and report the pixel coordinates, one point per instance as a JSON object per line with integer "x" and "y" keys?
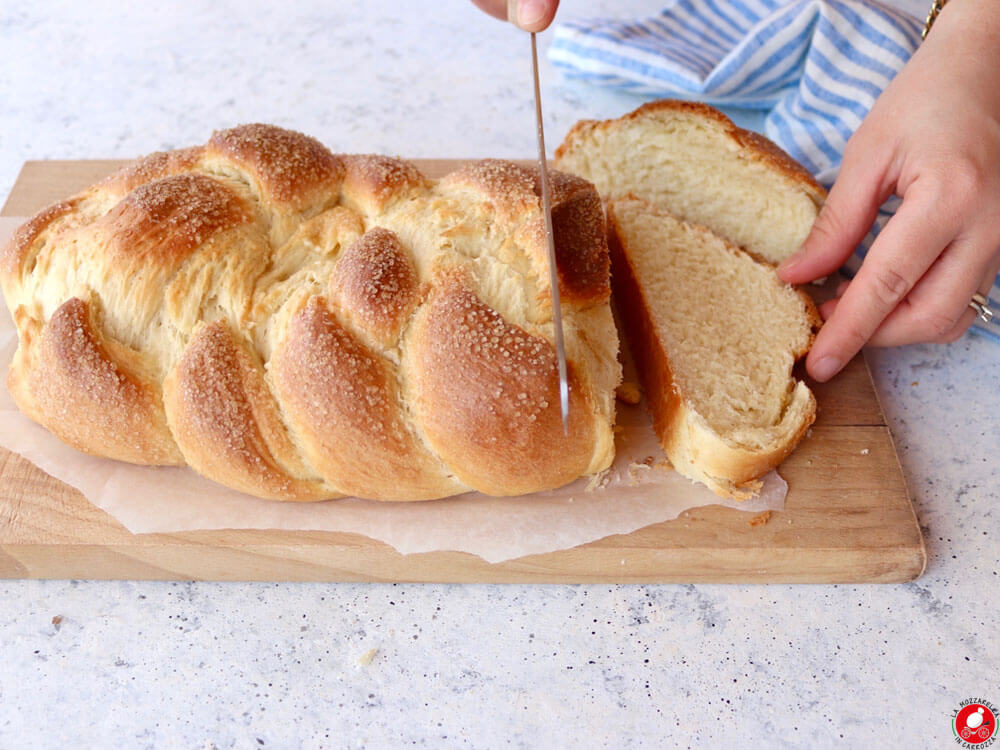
{"x": 848, "y": 517}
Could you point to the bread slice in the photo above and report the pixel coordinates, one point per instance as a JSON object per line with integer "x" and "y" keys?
{"x": 691, "y": 160}
{"x": 714, "y": 334}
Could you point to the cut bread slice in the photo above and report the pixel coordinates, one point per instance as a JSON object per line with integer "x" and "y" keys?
{"x": 691, "y": 160}
{"x": 715, "y": 335}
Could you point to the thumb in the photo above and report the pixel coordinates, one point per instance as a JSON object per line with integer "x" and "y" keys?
{"x": 847, "y": 215}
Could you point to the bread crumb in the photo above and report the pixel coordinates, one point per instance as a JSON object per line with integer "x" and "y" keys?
{"x": 599, "y": 481}
{"x": 629, "y": 392}
{"x": 760, "y": 519}
{"x": 366, "y": 658}
{"x": 865, "y": 451}
{"x": 634, "y": 471}
{"x": 914, "y": 383}
{"x": 57, "y": 621}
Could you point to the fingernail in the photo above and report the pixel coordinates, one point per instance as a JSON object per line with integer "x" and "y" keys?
{"x": 826, "y": 368}
{"x": 530, "y": 12}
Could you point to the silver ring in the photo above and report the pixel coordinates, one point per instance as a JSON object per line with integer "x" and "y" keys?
{"x": 981, "y": 305}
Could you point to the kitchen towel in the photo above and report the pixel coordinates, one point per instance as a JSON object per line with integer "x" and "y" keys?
{"x": 815, "y": 66}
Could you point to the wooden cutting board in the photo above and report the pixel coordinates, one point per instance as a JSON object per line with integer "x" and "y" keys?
{"x": 847, "y": 519}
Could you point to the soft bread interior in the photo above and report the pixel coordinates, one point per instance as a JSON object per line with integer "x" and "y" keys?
{"x": 731, "y": 332}
{"x": 693, "y": 162}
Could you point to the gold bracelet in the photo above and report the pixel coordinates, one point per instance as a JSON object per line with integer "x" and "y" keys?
{"x": 932, "y": 15}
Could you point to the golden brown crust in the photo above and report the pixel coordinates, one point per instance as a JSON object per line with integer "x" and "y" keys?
{"x": 487, "y": 396}
{"x": 16, "y": 250}
{"x": 375, "y": 283}
{"x": 225, "y": 420}
{"x": 581, "y": 247}
{"x": 83, "y": 389}
{"x": 290, "y": 167}
{"x": 343, "y": 402}
{"x": 268, "y": 293}
{"x": 513, "y": 192}
{"x": 509, "y": 188}
{"x": 167, "y": 219}
{"x": 753, "y": 145}
{"x": 372, "y": 181}
{"x": 150, "y": 168}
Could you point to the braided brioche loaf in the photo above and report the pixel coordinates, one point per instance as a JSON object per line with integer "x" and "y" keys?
{"x": 301, "y": 325}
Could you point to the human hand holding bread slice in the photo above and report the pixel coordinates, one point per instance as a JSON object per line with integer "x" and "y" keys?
{"x": 933, "y": 139}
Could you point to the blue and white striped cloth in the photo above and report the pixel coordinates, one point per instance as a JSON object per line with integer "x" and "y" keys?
{"x": 815, "y": 66}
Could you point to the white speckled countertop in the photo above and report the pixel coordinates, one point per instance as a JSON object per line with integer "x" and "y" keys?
{"x": 283, "y": 665}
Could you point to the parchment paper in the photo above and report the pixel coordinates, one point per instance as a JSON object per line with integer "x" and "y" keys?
{"x": 638, "y": 490}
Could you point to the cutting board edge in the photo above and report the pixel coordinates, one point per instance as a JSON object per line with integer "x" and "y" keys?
{"x": 338, "y": 565}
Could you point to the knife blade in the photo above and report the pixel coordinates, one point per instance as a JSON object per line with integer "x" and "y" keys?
{"x": 543, "y": 172}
